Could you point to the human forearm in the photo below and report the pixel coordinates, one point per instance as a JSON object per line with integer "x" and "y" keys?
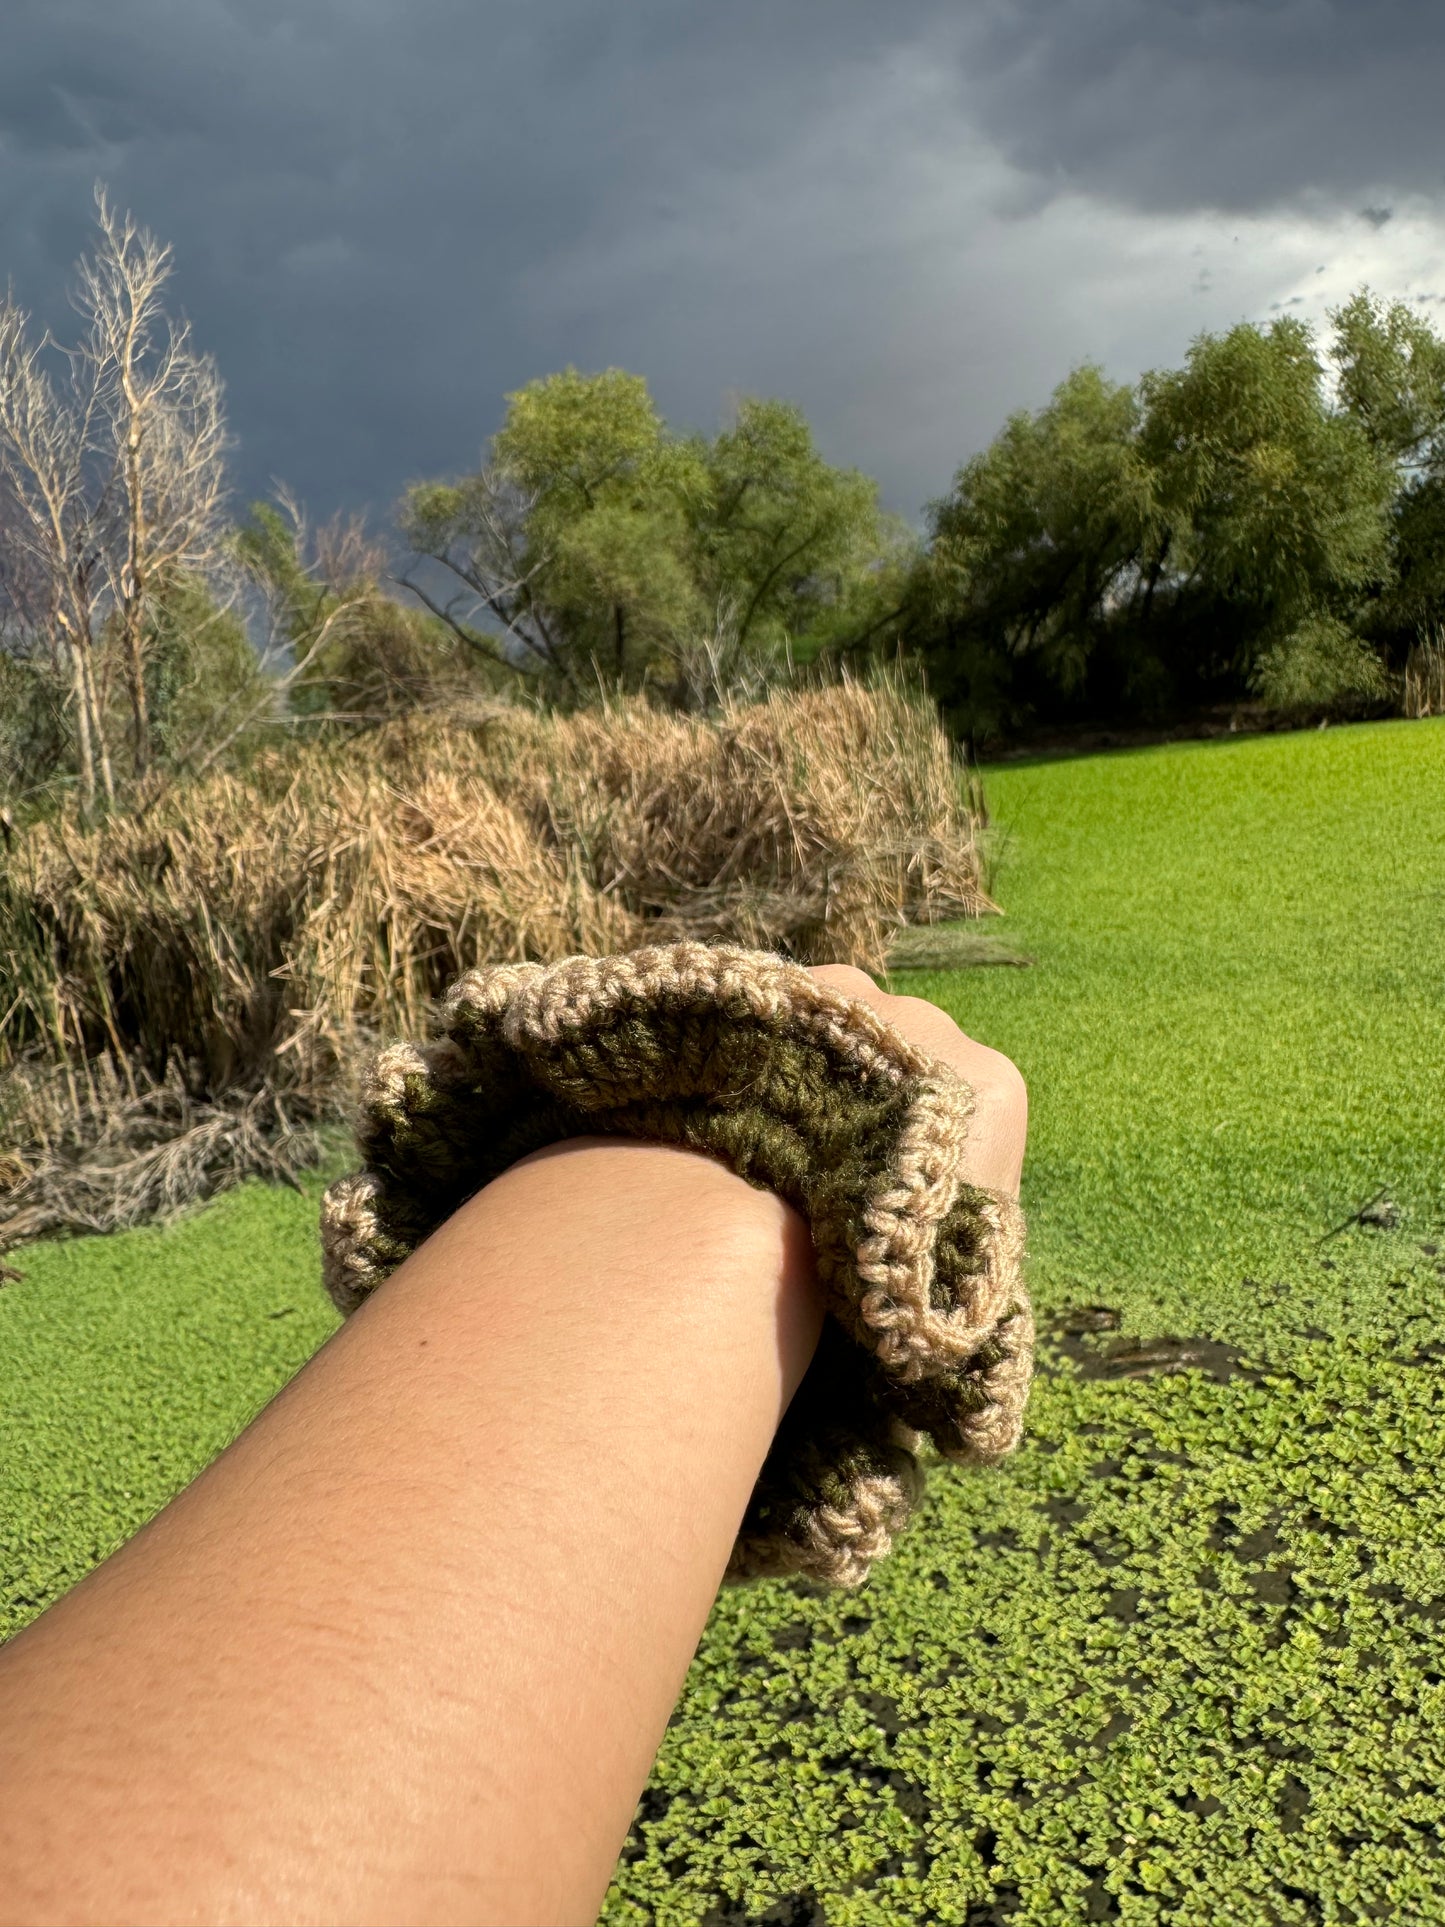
{"x": 407, "y": 1649}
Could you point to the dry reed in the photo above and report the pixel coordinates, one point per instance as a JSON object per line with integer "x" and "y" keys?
{"x": 108, "y": 1155}
{"x": 1423, "y": 690}
{"x": 248, "y": 941}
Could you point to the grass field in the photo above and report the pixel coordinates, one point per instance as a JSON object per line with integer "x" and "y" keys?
{"x": 1182, "y": 1658}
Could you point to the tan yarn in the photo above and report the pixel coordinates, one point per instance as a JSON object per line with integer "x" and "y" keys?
{"x": 803, "y": 1090}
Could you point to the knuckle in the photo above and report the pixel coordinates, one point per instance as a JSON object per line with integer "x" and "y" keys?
{"x": 1005, "y": 1082}
{"x": 846, "y": 977}
{"x": 923, "y": 1007}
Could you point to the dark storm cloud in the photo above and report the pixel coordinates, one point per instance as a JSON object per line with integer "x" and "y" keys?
{"x": 388, "y": 213}
{"x": 353, "y": 188}
{"x": 1184, "y": 104}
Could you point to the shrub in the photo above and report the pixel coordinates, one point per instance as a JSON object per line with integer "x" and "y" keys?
{"x": 34, "y": 734}
{"x": 1320, "y": 666}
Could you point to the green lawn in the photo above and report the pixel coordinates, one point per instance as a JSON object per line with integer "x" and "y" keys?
{"x": 1182, "y": 1658}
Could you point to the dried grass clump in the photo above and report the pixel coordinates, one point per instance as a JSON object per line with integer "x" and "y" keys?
{"x": 106, "y": 1154}
{"x": 252, "y": 936}
{"x": 815, "y": 823}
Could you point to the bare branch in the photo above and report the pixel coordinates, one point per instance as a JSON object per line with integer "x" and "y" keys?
{"x": 51, "y": 511}
{"x": 474, "y": 638}
{"x": 157, "y": 427}
{"x": 486, "y": 550}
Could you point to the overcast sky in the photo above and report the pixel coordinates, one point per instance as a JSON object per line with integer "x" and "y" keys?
{"x": 909, "y": 218}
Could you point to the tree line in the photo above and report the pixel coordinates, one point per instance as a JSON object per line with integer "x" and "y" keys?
{"x": 1266, "y": 523}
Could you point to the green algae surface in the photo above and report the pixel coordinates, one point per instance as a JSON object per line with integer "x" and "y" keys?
{"x": 1183, "y": 1657}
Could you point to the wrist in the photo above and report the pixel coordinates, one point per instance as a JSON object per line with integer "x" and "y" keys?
{"x": 886, "y": 1148}
{"x": 636, "y": 1228}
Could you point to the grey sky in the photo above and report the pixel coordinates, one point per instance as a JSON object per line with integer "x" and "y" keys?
{"x": 909, "y": 218}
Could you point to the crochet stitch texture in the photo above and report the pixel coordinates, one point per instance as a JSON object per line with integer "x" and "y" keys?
{"x": 802, "y": 1090}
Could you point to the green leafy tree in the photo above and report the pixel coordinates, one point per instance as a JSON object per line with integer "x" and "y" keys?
{"x": 1219, "y": 529}
{"x": 1412, "y": 600}
{"x": 1390, "y": 375}
{"x": 801, "y": 546}
{"x": 1044, "y": 538}
{"x": 356, "y": 654}
{"x": 1321, "y": 663}
{"x": 202, "y": 672}
{"x": 1277, "y": 508}
{"x": 596, "y": 549}
{"x": 36, "y": 738}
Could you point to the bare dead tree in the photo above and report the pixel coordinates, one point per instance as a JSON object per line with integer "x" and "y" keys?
{"x": 346, "y": 556}
{"x": 160, "y": 409}
{"x": 112, "y": 479}
{"x": 55, "y": 522}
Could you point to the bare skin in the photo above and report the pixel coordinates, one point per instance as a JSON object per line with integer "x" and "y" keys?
{"x": 398, "y": 1655}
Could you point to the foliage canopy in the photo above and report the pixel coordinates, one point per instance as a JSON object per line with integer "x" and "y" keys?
{"x": 601, "y": 550}
{"x": 1259, "y": 520}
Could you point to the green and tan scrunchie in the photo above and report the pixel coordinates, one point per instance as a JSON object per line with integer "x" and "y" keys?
{"x": 802, "y": 1090}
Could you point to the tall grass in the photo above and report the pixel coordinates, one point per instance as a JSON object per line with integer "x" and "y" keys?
{"x": 257, "y": 933}
{"x": 1423, "y": 691}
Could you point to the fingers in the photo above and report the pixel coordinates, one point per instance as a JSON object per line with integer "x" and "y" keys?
{"x": 847, "y": 978}
{"x": 999, "y": 1126}
{"x": 998, "y": 1130}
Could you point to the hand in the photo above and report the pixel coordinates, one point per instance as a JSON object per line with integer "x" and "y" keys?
{"x": 1000, "y": 1123}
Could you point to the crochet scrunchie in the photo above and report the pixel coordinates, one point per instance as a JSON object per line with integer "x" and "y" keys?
{"x": 802, "y": 1090}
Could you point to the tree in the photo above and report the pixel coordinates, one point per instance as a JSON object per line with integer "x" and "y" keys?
{"x": 1045, "y": 539}
{"x": 566, "y": 539}
{"x": 160, "y": 402}
{"x": 201, "y": 672}
{"x": 33, "y": 730}
{"x": 795, "y": 541}
{"x": 1277, "y": 503}
{"x": 595, "y": 548}
{"x": 54, "y": 527}
{"x": 111, "y": 486}
{"x": 1219, "y": 528}
{"x": 357, "y": 654}
{"x": 1390, "y": 376}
